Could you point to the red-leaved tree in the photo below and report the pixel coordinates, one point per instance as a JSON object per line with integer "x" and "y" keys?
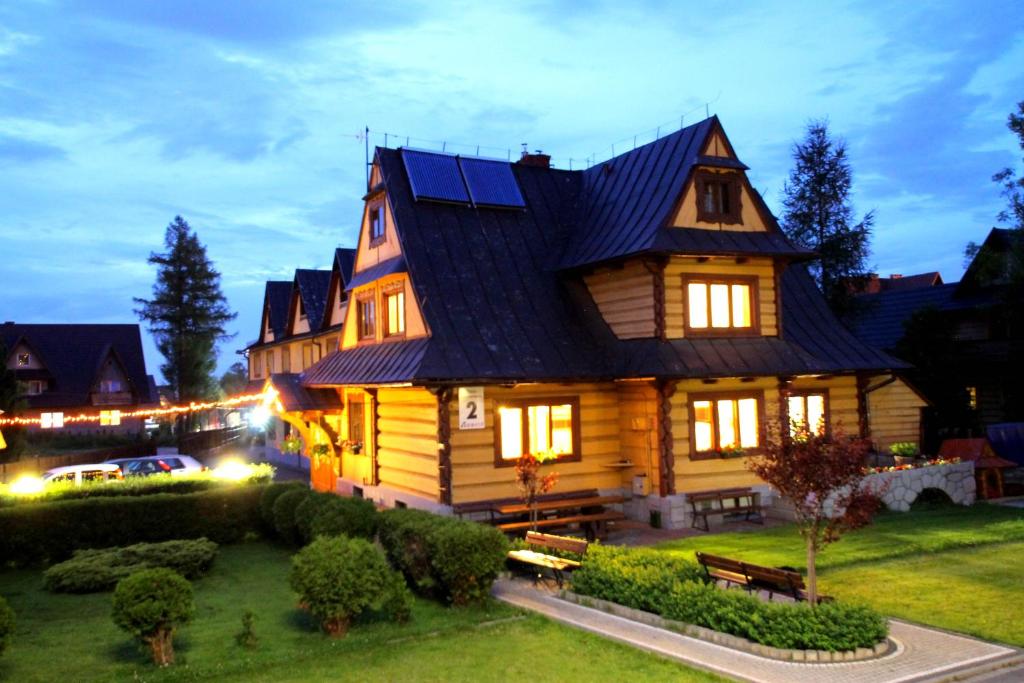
{"x": 823, "y": 477}
{"x": 530, "y": 482}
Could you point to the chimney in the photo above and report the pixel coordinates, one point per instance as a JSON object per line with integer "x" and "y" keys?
{"x": 538, "y": 158}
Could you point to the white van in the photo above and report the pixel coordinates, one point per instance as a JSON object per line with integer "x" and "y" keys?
{"x": 79, "y": 473}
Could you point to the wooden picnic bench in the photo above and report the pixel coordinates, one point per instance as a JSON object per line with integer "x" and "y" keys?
{"x": 588, "y": 512}
{"x": 745, "y": 501}
{"x": 754, "y": 577}
{"x": 594, "y": 524}
{"x": 559, "y": 566}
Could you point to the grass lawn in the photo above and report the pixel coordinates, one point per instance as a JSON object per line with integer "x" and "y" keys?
{"x": 72, "y": 637}
{"x": 956, "y": 568}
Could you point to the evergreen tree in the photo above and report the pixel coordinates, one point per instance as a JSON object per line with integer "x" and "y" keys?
{"x": 234, "y": 381}
{"x": 819, "y": 216}
{"x": 10, "y": 404}
{"x": 187, "y": 313}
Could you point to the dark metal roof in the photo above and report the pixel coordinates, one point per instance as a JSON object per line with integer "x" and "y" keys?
{"x": 73, "y": 356}
{"x": 880, "y": 318}
{"x": 373, "y": 364}
{"x": 377, "y": 271}
{"x": 344, "y": 262}
{"x": 295, "y": 397}
{"x": 312, "y": 286}
{"x": 277, "y": 297}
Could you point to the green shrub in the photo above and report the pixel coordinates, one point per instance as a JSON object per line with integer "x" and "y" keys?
{"x": 674, "y": 588}
{"x": 284, "y": 514}
{"x": 151, "y": 605}
{"x": 338, "y": 579}
{"x": 307, "y": 510}
{"x": 90, "y": 571}
{"x": 443, "y": 557}
{"x": 6, "y": 624}
{"x": 270, "y": 495}
{"x": 53, "y": 531}
{"x": 353, "y": 517}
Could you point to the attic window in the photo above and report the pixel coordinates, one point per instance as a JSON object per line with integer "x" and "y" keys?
{"x": 721, "y": 306}
{"x": 718, "y": 198}
{"x": 302, "y": 310}
{"x": 24, "y": 359}
{"x": 367, "y": 318}
{"x": 110, "y": 386}
{"x": 394, "y": 306}
{"x": 376, "y": 224}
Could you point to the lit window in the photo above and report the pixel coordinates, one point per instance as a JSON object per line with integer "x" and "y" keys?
{"x": 110, "y": 418}
{"x": 719, "y": 305}
{"x": 537, "y": 427}
{"x": 394, "y": 306}
{"x": 726, "y": 424}
{"x": 24, "y": 359}
{"x": 377, "y": 223}
{"x": 807, "y": 411}
{"x": 718, "y": 196}
{"x": 367, "y": 319}
{"x": 51, "y": 420}
{"x": 972, "y": 397}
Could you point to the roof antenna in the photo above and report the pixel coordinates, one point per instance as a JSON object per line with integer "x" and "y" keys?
{"x": 366, "y": 153}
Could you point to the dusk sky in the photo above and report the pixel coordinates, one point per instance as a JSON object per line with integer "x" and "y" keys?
{"x": 244, "y": 117}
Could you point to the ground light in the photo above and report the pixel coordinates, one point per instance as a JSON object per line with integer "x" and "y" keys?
{"x": 233, "y": 470}
{"x": 26, "y": 485}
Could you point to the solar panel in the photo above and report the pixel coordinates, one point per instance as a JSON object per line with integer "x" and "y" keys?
{"x": 491, "y": 183}
{"x": 435, "y": 176}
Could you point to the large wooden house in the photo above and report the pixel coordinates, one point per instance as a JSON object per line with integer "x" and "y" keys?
{"x": 645, "y": 319}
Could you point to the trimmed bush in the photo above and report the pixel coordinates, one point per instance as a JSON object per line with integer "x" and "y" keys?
{"x": 443, "y": 557}
{"x": 352, "y": 517}
{"x": 91, "y": 571}
{"x": 53, "y": 531}
{"x": 338, "y": 579}
{"x": 284, "y": 514}
{"x": 6, "y": 624}
{"x": 642, "y": 579}
{"x": 308, "y": 510}
{"x": 151, "y": 605}
{"x": 270, "y": 495}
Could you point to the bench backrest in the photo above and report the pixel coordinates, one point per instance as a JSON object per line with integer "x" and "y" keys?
{"x": 783, "y": 578}
{"x": 566, "y": 543}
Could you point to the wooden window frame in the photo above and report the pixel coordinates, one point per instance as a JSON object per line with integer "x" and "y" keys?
{"x": 364, "y": 298}
{"x": 804, "y": 393}
{"x": 734, "y": 216}
{"x": 269, "y": 362}
{"x": 714, "y": 397}
{"x": 286, "y": 359}
{"x": 377, "y": 209}
{"x": 386, "y": 292}
{"x": 257, "y": 365}
{"x": 349, "y": 402}
{"x": 524, "y": 404}
{"x": 751, "y": 281}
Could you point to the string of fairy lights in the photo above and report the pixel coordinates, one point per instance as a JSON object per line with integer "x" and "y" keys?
{"x": 51, "y": 420}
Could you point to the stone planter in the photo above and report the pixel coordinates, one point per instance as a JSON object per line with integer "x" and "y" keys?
{"x": 882, "y": 649}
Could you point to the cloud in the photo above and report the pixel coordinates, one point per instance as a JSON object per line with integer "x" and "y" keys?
{"x": 19, "y": 150}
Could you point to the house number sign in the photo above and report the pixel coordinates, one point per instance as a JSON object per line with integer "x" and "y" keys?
{"x": 471, "y": 407}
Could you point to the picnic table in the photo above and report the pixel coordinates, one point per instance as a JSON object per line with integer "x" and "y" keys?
{"x": 744, "y": 501}
{"x": 588, "y": 512}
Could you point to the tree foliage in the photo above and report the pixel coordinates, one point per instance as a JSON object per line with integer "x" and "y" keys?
{"x": 151, "y": 604}
{"x": 819, "y": 216}
{"x": 235, "y": 380}
{"x": 10, "y": 404}
{"x": 822, "y": 476}
{"x": 187, "y": 313}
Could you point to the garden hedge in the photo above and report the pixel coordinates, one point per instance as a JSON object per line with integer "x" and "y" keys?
{"x": 672, "y": 587}
{"x": 337, "y": 516}
{"x": 284, "y": 514}
{"x": 6, "y": 623}
{"x": 443, "y": 557}
{"x": 271, "y": 493}
{"x": 94, "y": 570}
{"x": 53, "y": 531}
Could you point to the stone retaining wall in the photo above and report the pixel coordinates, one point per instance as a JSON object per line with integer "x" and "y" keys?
{"x": 902, "y": 487}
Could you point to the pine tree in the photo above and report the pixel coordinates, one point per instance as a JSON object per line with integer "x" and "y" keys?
{"x": 10, "y": 404}
{"x": 819, "y": 215}
{"x": 187, "y": 313}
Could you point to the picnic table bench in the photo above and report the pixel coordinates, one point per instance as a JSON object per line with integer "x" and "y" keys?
{"x": 559, "y": 566}
{"x": 588, "y": 512}
{"x": 745, "y": 501}
{"x": 756, "y": 577}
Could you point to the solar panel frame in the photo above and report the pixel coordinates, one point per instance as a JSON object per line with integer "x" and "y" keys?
{"x": 437, "y": 177}
{"x": 491, "y": 183}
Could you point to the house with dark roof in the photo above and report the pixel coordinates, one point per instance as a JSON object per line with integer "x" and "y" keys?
{"x": 64, "y": 370}
{"x": 644, "y": 320}
{"x": 981, "y": 315}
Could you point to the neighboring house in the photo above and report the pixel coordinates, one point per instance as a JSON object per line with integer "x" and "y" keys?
{"x": 65, "y": 370}
{"x": 645, "y": 319}
{"x": 982, "y": 319}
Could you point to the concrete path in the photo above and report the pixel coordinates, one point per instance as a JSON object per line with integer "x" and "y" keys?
{"x": 923, "y": 654}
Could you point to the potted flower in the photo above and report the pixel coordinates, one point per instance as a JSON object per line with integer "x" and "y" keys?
{"x": 291, "y": 445}
{"x": 319, "y": 451}
{"x": 904, "y": 452}
{"x": 731, "y": 452}
{"x": 530, "y": 482}
{"x": 352, "y": 446}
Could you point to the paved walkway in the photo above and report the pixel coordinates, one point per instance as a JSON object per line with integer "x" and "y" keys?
{"x": 923, "y": 654}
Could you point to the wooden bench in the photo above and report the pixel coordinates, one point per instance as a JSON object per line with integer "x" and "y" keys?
{"x": 594, "y": 524}
{"x": 745, "y": 501}
{"x": 559, "y": 566}
{"x": 756, "y": 577}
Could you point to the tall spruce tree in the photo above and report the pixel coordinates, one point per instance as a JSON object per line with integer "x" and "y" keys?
{"x": 819, "y": 216}
{"x": 187, "y": 313}
{"x": 10, "y": 404}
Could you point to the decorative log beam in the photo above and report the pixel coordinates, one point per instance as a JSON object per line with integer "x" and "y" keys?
{"x": 656, "y": 268}
{"x": 666, "y": 460}
{"x": 444, "y": 446}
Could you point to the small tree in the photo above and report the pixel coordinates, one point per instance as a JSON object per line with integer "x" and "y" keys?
{"x": 530, "y": 483}
{"x": 818, "y": 214}
{"x": 823, "y": 477}
{"x": 151, "y": 605}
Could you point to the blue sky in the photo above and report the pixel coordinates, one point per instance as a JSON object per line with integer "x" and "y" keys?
{"x": 244, "y": 118}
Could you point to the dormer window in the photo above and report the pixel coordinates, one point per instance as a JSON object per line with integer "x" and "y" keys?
{"x": 24, "y": 360}
{"x": 376, "y": 224}
{"x": 34, "y": 387}
{"x": 367, "y": 318}
{"x": 110, "y": 386}
{"x": 394, "y": 306}
{"x": 721, "y": 306}
{"x": 718, "y": 198}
